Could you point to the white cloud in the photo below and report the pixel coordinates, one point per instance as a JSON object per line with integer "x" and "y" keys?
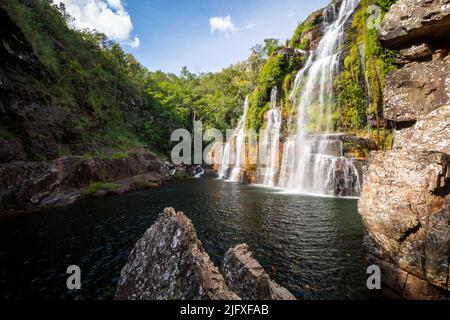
{"x": 250, "y": 26}
{"x": 222, "y": 24}
{"x": 107, "y": 16}
{"x": 135, "y": 43}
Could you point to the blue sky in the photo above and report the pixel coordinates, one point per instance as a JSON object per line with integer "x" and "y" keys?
{"x": 169, "y": 34}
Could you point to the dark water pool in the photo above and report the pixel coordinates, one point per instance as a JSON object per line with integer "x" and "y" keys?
{"x": 311, "y": 245}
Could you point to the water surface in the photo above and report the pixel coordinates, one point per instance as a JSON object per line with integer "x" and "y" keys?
{"x": 311, "y": 245}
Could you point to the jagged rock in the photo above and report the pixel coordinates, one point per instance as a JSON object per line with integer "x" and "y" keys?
{"x": 405, "y": 206}
{"x": 411, "y": 21}
{"x": 169, "y": 262}
{"x": 417, "y": 89}
{"x": 245, "y": 276}
{"x": 430, "y": 132}
{"x": 417, "y": 52}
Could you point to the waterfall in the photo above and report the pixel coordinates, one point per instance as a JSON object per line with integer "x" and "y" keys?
{"x": 287, "y": 164}
{"x": 271, "y": 141}
{"x": 234, "y": 149}
{"x": 225, "y": 160}
{"x": 313, "y": 161}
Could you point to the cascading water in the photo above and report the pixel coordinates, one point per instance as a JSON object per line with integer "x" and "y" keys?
{"x": 234, "y": 150}
{"x": 225, "y": 159}
{"x": 287, "y": 164}
{"x": 271, "y": 141}
{"x": 313, "y": 161}
{"x": 240, "y": 146}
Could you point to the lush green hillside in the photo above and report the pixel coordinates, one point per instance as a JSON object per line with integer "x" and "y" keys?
{"x": 94, "y": 96}
{"x": 97, "y": 85}
{"x": 80, "y": 93}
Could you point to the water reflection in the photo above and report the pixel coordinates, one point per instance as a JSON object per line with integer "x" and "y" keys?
{"x": 311, "y": 245}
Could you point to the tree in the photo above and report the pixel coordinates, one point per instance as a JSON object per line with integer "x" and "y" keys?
{"x": 271, "y": 45}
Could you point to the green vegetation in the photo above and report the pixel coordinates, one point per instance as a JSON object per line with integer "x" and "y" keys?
{"x": 359, "y": 88}
{"x": 366, "y": 65}
{"x": 98, "y": 186}
{"x": 298, "y": 40}
{"x": 5, "y": 134}
{"x": 357, "y": 149}
{"x": 98, "y": 85}
{"x": 277, "y": 72}
{"x": 113, "y": 102}
{"x": 120, "y": 155}
{"x": 384, "y": 5}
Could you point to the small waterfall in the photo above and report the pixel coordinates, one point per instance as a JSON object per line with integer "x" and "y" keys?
{"x": 314, "y": 163}
{"x": 234, "y": 150}
{"x": 225, "y": 161}
{"x": 287, "y": 164}
{"x": 271, "y": 141}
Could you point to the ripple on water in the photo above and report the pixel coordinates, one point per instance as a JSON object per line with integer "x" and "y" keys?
{"x": 311, "y": 245}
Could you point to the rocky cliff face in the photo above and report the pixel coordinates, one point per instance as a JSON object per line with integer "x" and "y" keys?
{"x": 169, "y": 262}
{"x": 31, "y": 125}
{"x": 405, "y": 203}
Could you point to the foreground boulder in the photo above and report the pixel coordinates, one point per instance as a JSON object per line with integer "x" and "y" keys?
{"x": 245, "y": 276}
{"x": 169, "y": 263}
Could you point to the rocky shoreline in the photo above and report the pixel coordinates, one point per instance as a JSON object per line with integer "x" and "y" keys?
{"x": 28, "y": 186}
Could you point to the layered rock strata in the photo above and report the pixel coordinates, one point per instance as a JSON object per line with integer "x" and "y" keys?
{"x": 405, "y": 202}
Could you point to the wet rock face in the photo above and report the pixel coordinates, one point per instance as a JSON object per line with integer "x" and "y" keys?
{"x": 410, "y": 21}
{"x": 405, "y": 202}
{"x": 245, "y": 276}
{"x": 169, "y": 262}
